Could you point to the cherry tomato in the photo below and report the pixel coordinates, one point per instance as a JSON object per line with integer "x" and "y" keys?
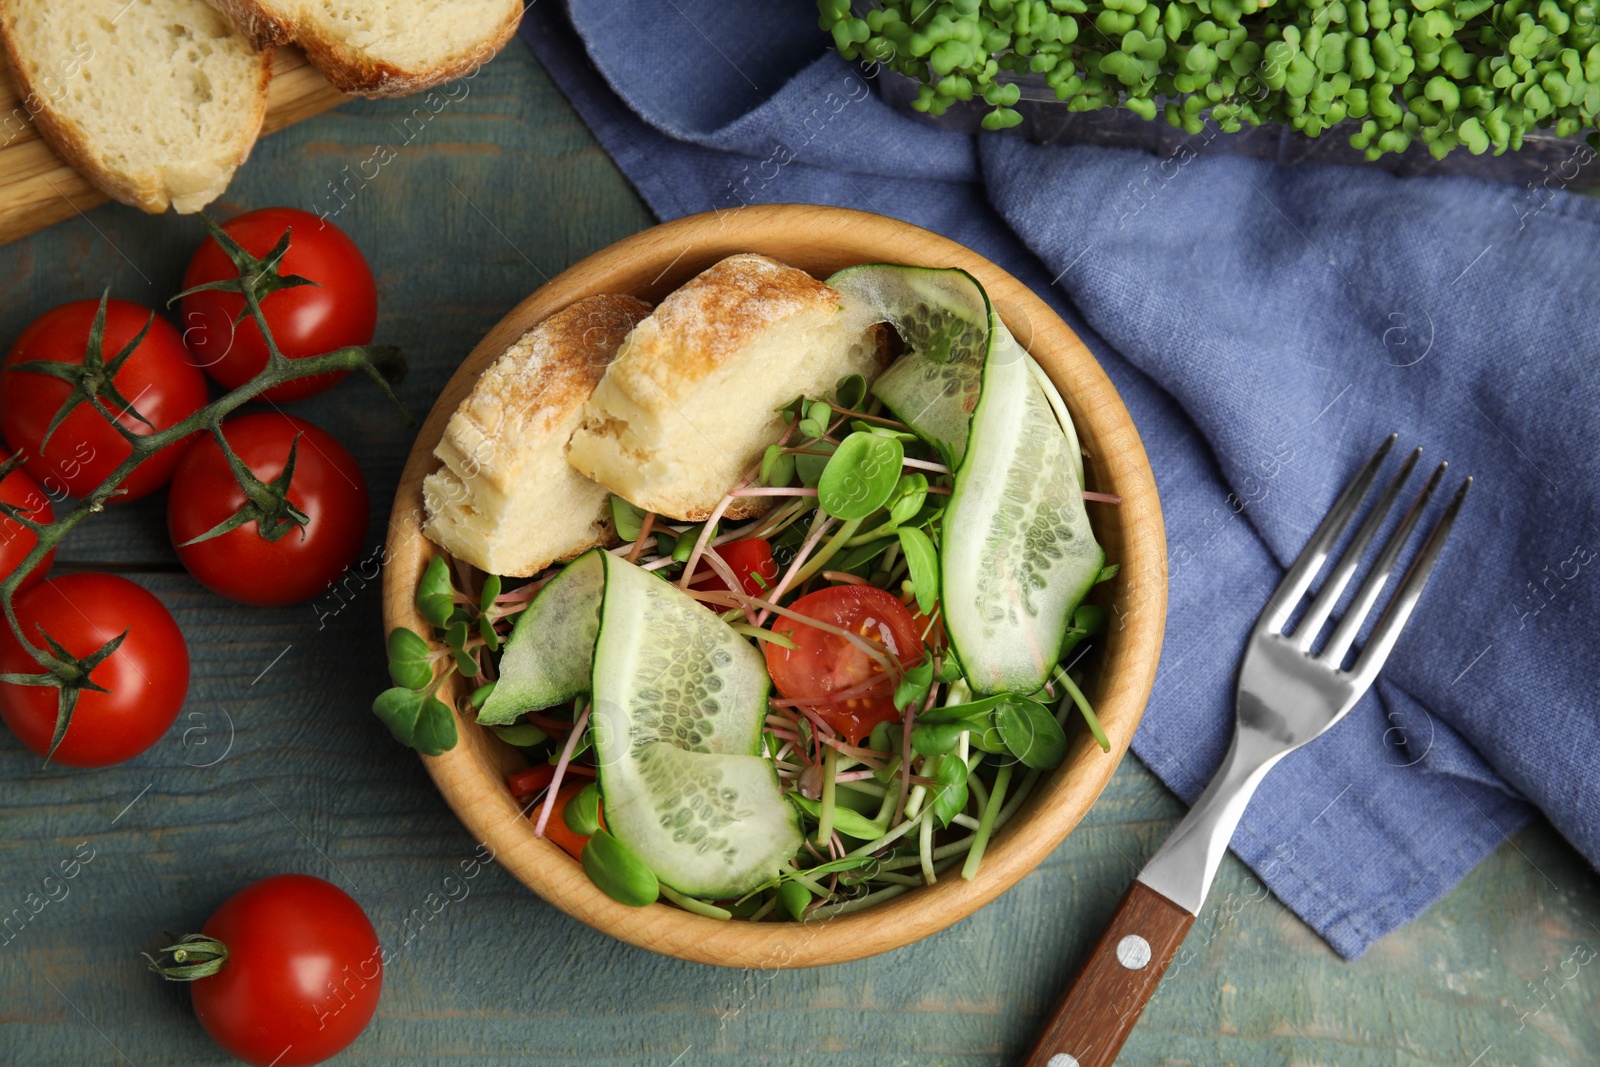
{"x": 16, "y": 540}
{"x": 241, "y": 564}
{"x": 158, "y": 382}
{"x": 302, "y": 977}
{"x": 309, "y": 320}
{"x": 825, "y": 663}
{"x": 751, "y": 561}
{"x": 146, "y": 678}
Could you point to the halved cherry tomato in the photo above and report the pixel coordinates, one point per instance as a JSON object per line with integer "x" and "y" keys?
{"x": 749, "y": 558}
{"x": 825, "y": 663}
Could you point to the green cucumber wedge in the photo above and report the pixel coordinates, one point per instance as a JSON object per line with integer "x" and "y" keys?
{"x": 942, "y": 315}
{"x": 548, "y": 655}
{"x": 666, "y": 669}
{"x": 1018, "y": 554}
{"x": 711, "y": 826}
{"x": 679, "y": 703}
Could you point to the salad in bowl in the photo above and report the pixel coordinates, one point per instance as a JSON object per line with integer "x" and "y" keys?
{"x": 774, "y": 602}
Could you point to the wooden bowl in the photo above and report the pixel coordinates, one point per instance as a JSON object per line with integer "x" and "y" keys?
{"x": 820, "y": 240}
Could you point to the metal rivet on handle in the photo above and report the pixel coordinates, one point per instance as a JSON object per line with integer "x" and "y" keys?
{"x": 1061, "y": 1059}
{"x": 1133, "y": 952}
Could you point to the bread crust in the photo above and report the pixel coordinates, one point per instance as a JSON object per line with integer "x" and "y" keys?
{"x": 686, "y": 351}
{"x": 69, "y": 140}
{"x": 709, "y": 319}
{"x": 498, "y": 437}
{"x": 353, "y": 70}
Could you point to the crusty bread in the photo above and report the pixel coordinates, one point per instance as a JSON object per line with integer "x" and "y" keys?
{"x": 156, "y": 102}
{"x": 689, "y": 405}
{"x": 505, "y": 500}
{"x": 382, "y": 47}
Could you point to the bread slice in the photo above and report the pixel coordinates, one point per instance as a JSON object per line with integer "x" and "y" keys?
{"x": 505, "y": 500}
{"x": 156, "y": 102}
{"x": 690, "y": 404}
{"x": 383, "y": 47}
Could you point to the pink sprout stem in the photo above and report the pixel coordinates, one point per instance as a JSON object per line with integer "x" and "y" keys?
{"x": 561, "y": 772}
{"x": 1104, "y": 498}
{"x": 781, "y": 490}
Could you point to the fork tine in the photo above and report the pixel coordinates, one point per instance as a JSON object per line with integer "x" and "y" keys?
{"x": 1399, "y": 610}
{"x": 1328, "y": 596}
{"x": 1361, "y": 604}
{"x": 1310, "y": 561}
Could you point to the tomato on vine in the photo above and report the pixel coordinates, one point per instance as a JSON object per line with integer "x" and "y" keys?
{"x": 80, "y": 365}
{"x": 125, "y": 670}
{"x": 298, "y": 527}
{"x": 316, "y": 292}
{"x": 286, "y": 973}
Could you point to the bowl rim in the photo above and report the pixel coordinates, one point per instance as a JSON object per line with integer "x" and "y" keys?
{"x": 470, "y": 776}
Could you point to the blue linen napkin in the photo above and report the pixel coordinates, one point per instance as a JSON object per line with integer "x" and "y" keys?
{"x": 1267, "y": 328}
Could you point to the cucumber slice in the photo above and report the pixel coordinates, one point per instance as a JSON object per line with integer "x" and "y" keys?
{"x": 666, "y": 669}
{"x": 712, "y": 826}
{"x": 943, "y": 317}
{"x": 1018, "y": 554}
{"x": 679, "y": 702}
{"x": 547, "y": 657}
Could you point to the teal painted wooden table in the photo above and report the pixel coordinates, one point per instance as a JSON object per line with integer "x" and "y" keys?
{"x": 277, "y": 765}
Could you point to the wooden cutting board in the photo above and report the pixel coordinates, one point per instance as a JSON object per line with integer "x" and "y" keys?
{"x": 37, "y": 189}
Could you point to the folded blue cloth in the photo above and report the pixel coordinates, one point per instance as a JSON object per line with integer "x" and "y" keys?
{"x": 1267, "y": 328}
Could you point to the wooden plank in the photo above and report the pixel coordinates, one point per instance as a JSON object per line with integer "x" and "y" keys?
{"x": 500, "y": 188}
{"x": 37, "y": 189}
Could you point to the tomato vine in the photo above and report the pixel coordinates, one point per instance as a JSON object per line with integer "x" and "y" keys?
{"x": 257, "y": 278}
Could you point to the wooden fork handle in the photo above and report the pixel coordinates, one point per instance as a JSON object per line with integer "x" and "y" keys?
{"x": 1092, "y": 1021}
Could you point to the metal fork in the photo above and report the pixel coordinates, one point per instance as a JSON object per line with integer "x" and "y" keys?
{"x": 1290, "y": 692}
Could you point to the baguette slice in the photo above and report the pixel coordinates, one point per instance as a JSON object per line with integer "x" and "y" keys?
{"x": 505, "y": 500}
{"x": 382, "y": 47}
{"x": 690, "y": 404}
{"x": 157, "y": 102}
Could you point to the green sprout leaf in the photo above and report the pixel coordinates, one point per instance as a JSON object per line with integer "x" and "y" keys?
{"x": 486, "y": 630}
{"x": 617, "y": 872}
{"x": 416, "y": 720}
{"x": 409, "y": 662}
{"x": 436, "y": 595}
{"x": 777, "y": 467}
{"x": 491, "y": 590}
{"x": 847, "y": 822}
{"x": 455, "y": 635}
{"x": 923, "y": 560}
{"x": 914, "y": 686}
{"x": 850, "y": 391}
{"x": 628, "y": 519}
{"x": 520, "y": 734}
{"x": 582, "y": 813}
{"x": 1031, "y": 732}
{"x": 860, "y": 476}
{"x": 950, "y": 795}
{"x": 909, "y": 494}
